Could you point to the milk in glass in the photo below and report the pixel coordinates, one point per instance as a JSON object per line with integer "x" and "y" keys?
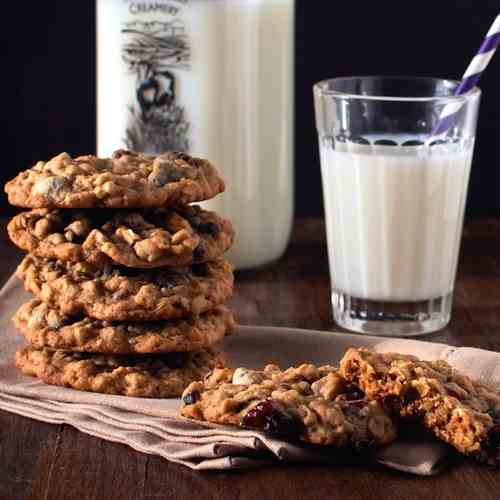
{"x": 394, "y": 218}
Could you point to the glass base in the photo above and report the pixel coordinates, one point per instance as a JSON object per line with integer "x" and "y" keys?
{"x": 391, "y": 319}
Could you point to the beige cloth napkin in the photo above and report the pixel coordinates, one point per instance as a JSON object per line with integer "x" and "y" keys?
{"x": 154, "y": 425}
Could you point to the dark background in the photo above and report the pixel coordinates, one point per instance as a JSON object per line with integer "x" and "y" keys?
{"x": 49, "y": 103}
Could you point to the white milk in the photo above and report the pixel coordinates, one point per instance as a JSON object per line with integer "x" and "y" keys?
{"x": 221, "y": 72}
{"x": 394, "y": 219}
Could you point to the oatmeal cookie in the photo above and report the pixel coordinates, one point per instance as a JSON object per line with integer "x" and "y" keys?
{"x": 44, "y": 326}
{"x": 142, "y": 375}
{"x": 308, "y": 403}
{"x": 142, "y": 238}
{"x": 126, "y": 294}
{"x": 127, "y": 179}
{"x": 460, "y": 411}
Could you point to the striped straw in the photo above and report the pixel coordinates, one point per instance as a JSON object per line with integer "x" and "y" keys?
{"x": 470, "y": 78}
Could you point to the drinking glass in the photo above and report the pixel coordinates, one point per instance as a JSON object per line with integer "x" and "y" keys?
{"x": 394, "y": 197}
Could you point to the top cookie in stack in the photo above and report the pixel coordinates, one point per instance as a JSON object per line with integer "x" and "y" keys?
{"x": 125, "y": 180}
{"x": 120, "y": 263}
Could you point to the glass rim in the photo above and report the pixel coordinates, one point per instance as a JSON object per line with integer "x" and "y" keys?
{"x": 321, "y": 88}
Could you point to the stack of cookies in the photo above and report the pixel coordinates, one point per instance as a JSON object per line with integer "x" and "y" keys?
{"x": 128, "y": 277}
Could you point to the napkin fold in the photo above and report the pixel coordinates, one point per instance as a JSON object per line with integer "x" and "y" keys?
{"x": 154, "y": 426}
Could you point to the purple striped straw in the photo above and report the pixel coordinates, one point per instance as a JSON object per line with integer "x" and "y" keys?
{"x": 470, "y": 78}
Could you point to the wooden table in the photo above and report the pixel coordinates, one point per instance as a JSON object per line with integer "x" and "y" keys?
{"x": 56, "y": 462}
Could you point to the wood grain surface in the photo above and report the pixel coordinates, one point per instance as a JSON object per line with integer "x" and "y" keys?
{"x": 56, "y": 462}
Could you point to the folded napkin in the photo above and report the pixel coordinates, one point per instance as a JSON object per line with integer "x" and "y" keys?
{"x": 154, "y": 425}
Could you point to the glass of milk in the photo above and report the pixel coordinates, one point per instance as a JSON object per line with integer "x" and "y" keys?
{"x": 394, "y": 199}
{"x": 213, "y": 78}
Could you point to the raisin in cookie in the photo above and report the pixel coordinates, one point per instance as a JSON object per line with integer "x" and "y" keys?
{"x": 127, "y": 179}
{"x": 142, "y": 238}
{"x": 146, "y": 376}
{"x": 308, "y": 403}
{"x": 460, "y": 411}
{"x": 126, "y": 294}
{"x": 44, "y": 326}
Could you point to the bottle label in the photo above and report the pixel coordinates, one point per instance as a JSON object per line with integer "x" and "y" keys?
{"x": 153, "y": 49}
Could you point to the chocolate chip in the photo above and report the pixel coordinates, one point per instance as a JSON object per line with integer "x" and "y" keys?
{"x": 165, "y": 173}
{"x": 354, "y": 393}
{"x": 208, "y": 228}
{"x": 410, "y": 396}
{"x": 199, "y": 253}
{"x": 191, "y": 398}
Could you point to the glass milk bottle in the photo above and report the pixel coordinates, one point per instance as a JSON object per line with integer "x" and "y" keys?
{"x": 213, "y": 78}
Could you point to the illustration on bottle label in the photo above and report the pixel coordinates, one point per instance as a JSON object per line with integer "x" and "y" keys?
{"x": 151, "y": 51}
